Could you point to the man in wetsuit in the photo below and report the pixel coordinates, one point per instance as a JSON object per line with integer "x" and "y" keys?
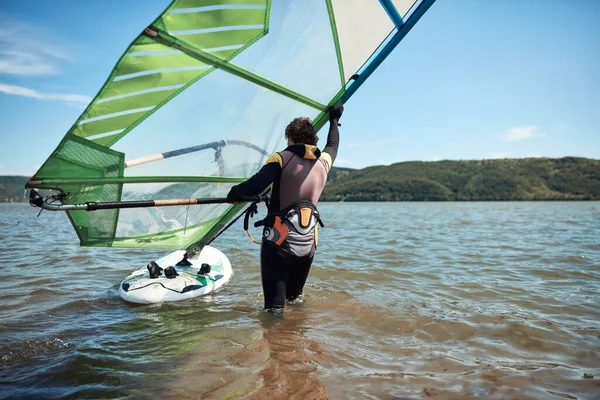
{"x": 290, "y": 236}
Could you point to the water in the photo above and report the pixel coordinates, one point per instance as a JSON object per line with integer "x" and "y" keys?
{"x": 405, "y": 301}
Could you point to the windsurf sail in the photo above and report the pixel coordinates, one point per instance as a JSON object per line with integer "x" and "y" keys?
{"x": 201, "y": 98}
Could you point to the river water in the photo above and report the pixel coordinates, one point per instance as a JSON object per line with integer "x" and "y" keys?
{"x": 405, "y": 301}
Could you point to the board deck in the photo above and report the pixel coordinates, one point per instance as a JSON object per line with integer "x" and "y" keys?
{"x": 138, "y": 287}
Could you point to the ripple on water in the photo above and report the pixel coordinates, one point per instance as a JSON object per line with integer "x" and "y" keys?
{"x": 453, "y": 301}
{"x": 18, "y": 352}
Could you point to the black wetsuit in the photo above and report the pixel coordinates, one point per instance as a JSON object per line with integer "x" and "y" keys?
{"x": 297, "y": 173}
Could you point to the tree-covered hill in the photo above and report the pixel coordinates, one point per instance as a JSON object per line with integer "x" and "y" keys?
{"x": 12, "y": 188}
{"x": 567, "y": 178}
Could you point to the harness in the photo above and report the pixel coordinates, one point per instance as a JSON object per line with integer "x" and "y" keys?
{"x": 294, "y": 230}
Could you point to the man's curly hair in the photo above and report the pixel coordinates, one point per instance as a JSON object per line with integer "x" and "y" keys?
{"x": 301, "y": 131}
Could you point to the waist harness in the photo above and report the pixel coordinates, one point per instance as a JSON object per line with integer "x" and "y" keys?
{"x": 295, "y": 230}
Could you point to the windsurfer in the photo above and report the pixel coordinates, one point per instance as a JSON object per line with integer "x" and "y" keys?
{"x": 290, "y": 237}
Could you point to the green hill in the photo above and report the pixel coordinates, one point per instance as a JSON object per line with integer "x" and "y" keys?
{"x": 567, "y": 178}
{"x": 12, "y": 188}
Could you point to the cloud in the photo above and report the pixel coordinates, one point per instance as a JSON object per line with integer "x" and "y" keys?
{"x": 28, "y": 50}
{"x": 74, "y": 99}
{"x": 519, "y": 133}
{"x": 24, "y": 64}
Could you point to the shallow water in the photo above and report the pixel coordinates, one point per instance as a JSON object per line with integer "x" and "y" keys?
{"x": 405, "y": 301}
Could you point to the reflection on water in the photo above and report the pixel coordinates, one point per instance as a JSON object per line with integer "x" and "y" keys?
{"x": 266, "y": 357}
{"x": 405, "y": 301}
{"x": 293, "y": 358}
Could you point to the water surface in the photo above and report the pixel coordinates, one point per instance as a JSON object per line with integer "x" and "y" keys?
{"x": 405, "y": 301}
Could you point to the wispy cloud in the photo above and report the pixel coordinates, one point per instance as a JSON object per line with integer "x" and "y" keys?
{"x": 74, "y": 99}
{"x": 519, "y": 133}
{"x": 25, "y": 64}
{"x": 27, "y": 50}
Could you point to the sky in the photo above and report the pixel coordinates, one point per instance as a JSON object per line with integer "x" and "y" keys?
{"x": 474, "y": 79}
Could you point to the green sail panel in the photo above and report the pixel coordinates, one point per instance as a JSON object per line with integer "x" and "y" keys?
{"x": 77, "y": 157}
{"x": 210, "y": 19}
{"x": 207, "y": 3}
{"x": 150, "y": 81}
{"x": 207, "y": 40}
{"x": 109, "y": 123}
{"x": 151, "y": 62}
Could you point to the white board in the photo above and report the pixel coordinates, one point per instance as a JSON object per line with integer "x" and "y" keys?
{"x": 140, "y": 288}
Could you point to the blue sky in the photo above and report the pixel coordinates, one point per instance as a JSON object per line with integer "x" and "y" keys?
{"x": 475, "y": 79}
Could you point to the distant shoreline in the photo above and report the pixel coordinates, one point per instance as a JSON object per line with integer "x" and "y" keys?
{"x": 526, "y": 179}
{"x": 529, "y": 179}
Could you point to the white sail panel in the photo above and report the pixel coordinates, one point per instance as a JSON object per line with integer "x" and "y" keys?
{"x": 361, "y": 26}
{"x": 403, "y": 6}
